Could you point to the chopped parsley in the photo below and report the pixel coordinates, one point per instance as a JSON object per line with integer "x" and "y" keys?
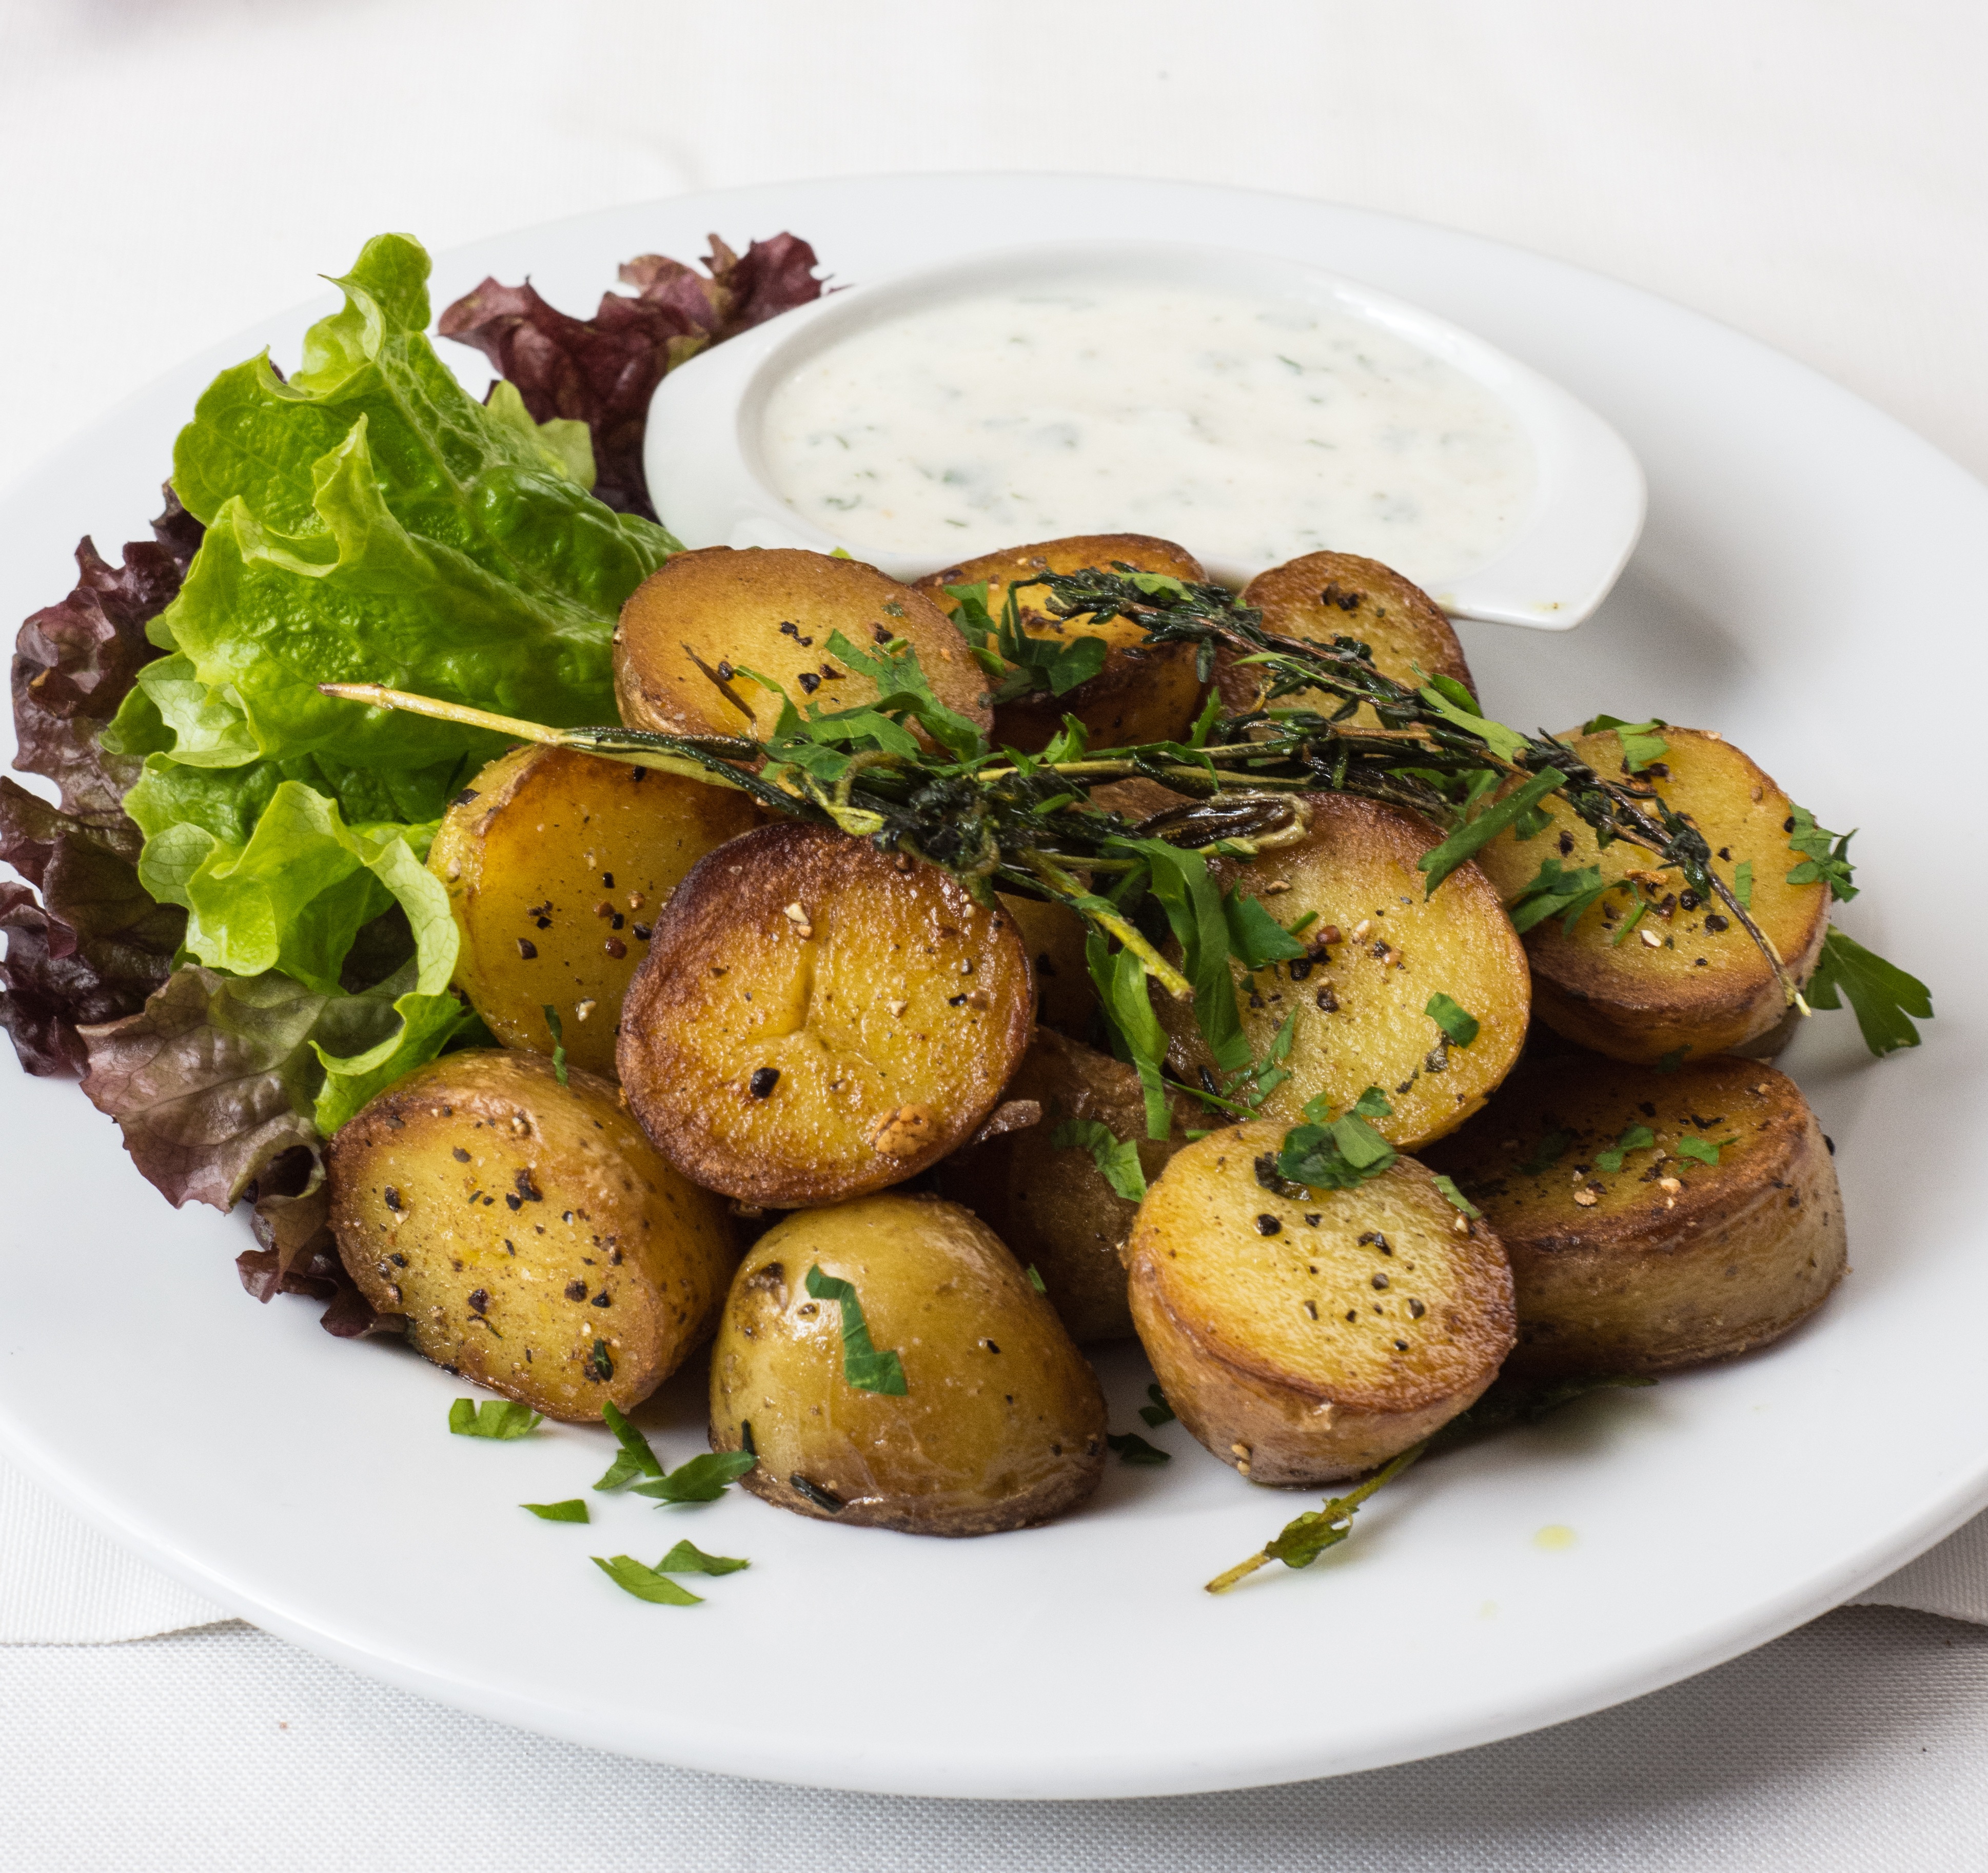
{"x": 1021, "y": 664}
{"x": 1133, "y": 1448}
{"x": 1884, "y": 999}
{"x": 1340, "y": 1154}
{"x": 702, "y": 1479}
{"x": 1159, "y": 1412}
{"x": 1556, "y": 892}
{"x": 1448, "y": 1186}
{"x": 687, "y": 1557}
{"x": 1702, "y": 1150}
{"x": 1642, "y": 745}
{"x": 1550, "y": 1151}
{"x": 558, "y": 1041}
{"x": 571, "y": 1510}
{"x": 1456, "y": 1020}
{"x": 648, "y": 1583}
{"x": 503, "y": 1419}
{"x": 1118, "y": 1160}
{"x": 1255, "y": 937}
{"x": 1035, "y": 1280}
{"x": 635, "y": 1458}
{"x": 1743, "y": 883}
{"x": 1825, "y": 855}
{"x": 863, "y": 1367}
{"x": 1636, "y": 1138}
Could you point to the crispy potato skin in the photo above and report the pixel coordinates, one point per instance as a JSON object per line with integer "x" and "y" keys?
{"x": 1704, "y": 989}
{"x": 1141, "y": 695}
{"x": 1247, "y": 1326}
{"x": 890, "y": 1007}
{"x": 1361, "y": 1002}
{"x": 1327, "y": 595}
{"x": 1643, "y": 1279}
{"x": 556, "y": 865}
{"x": 494, "y": 1209}
{"x": 1053, "y": 935}
{"x": 1001, "y": 1424}
{"x": 728, "y": 605}
{"x": 1051, "y": 1206}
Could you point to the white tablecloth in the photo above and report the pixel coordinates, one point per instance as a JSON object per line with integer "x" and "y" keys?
{"x": 174, "y": 169}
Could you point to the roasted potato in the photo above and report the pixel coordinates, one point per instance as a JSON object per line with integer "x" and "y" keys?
{"x": 1307, "y": 1335}
{"x": 816, "y": 1020}
{"x": 1380, "y": 954}
{"x": 1050, "y": 1203}
{"x": 1000, "y": 1424}
{"x": 1327, "y": 595}
{"x": 556, "y": 865}
{"x": 1142, "y": 694}
{"x": 1653, "y": 1259}
{"x": 1054, "y": 934}
{"x": 532, "y": 1237}
{"x": 1685, "y": 977}
{"x": 689, "y": 630}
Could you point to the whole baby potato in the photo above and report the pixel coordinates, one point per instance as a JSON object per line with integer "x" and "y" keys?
{"x": 532, "y": 1237}
{"x": 556, "y": 865}
{"x": 693, "y": 628}
{"x": 1306, "y": 1335}
{"x": 1653, "y": 1221}
{"x": 1359, "y": 1003}
{"x": 817, "y": 1020}
{"x": 1000, "y": 1424}
{"x": 1144, "y": 692}
{"x": 1322, "y": 596}
{"x": 1648, "y": 971}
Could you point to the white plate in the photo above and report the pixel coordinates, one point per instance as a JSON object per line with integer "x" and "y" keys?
{"x": 705, "y": 460}
{"x": 1806, "y": 583}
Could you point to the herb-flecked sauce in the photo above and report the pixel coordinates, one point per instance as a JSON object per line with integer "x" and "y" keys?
{"x": 1250, "y": 430}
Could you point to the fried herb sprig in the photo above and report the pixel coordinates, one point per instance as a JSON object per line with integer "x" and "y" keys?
{"x": 914, "y": 776}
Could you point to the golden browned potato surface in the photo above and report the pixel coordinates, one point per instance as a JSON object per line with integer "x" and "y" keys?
{"x": 1657, "y": 1260}
{"x": 772, "y": 609}
{"x": 1142, "y": 694}
{"x": 1381, "y": 952}
{"x": 1000, "y": 1425}
{"x": 556, "y": 865}
{"x": 1686, "y": 976}
{"x": 1050, "y": 1203}
{"x": 532, "y": 1237}
{"x": 1307, "y": 1335}
{"x": 1327, "y": 595}
{"x": 1054, "y": 934}
{"x": 816, "y": 1020}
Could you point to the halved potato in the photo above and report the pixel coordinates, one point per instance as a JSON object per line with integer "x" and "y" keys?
{"x": 689, "y": 629}
{"x": 1054, "y": 934}
{"x": 1000, "y": 1424}
{"x": 1685, "y": 978}
{"x": 817, "y": 1019}
{"x": 1308, "y": 1335}
{"x": 556, "y": 865}
{"x": 1050, "y": 1203}
{"x": 1381, "y": 952}
{"x": 1142, "y": 694}
{"x": 1327, "y": 595}
{"x": 1656, "y": 1259}
{"x": 532, "y": 1237}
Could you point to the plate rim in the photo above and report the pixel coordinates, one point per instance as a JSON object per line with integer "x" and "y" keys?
{"x": 1942, "y": 1510}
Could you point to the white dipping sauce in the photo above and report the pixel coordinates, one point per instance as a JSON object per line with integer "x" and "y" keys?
{"x": 1249, "y": 431}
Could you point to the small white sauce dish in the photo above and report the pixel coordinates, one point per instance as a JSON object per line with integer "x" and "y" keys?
{"x": 713, "y": 479}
